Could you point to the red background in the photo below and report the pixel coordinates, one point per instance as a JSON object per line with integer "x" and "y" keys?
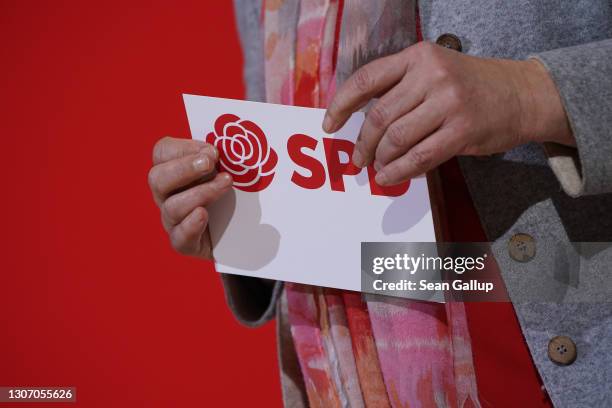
{"x": 91, "y": 295}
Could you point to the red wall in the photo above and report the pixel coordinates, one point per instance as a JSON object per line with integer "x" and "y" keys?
{"x": 91, "y": 295}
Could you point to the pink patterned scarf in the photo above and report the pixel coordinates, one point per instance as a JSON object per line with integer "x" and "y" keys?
{"x": 356, "y": 352}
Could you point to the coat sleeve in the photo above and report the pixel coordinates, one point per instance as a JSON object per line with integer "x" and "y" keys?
{"x": 251, "y": 300}
{"x": 583, "y": 76}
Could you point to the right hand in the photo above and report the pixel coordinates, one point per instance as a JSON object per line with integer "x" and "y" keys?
{"x": 183, "y": 183}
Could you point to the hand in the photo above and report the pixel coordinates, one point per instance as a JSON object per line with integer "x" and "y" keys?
{"x": 176, "y": 180}
{"x": 437, "y": 103}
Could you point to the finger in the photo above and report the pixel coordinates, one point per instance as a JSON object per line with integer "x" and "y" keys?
{"x": 407, "y": 131}
{"x": 178, "y": 206}
{"x": 170, "y": 148}
{"x": 174, "y": 174}
{"x": 401, "y": 99}
{"x": 187, "y": 237}
{"x": 366, "y": 82}
{"x": 426, "y": 155}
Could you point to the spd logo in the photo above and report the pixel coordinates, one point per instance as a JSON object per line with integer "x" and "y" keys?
{"x": 244, "y": 152}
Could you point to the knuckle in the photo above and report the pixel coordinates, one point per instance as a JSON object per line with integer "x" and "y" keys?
{"x": 199, "y": 195}
{"x": 158, "y": 149}
{"x": 440, "y": 72}
{"x": 456, "y": 94}
{"x": 421, "y": 158}
{"x": 206, "y": 194}
{"x": 152, "y": 179}
{"x": 333, "y": 108}
{"x": 179, "y": 169}
{"x": 178, "y": 242}
{"x": 396, "y": 134}
{"x": 363, "y": 79}
{"x": 377, "y": 116}
{"x": 168, "y": 209}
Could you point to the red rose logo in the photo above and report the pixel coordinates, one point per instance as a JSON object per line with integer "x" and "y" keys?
{"x": 244, "y": 152}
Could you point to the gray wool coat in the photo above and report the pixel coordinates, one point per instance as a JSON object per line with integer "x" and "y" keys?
{"x": 560, "y": 197}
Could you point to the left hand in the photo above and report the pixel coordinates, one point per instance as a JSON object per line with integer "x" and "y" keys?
{"x": 437, "y": 103}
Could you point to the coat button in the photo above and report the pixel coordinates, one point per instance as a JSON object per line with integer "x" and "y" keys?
{"x": 562, "y": 350}
{"x": 450, "y": 41}
{"x": 521, "y": 247}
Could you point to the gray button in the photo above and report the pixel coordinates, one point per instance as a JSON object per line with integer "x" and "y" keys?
{"x": 522, "y": 247}
{"x": 562, "y": 350}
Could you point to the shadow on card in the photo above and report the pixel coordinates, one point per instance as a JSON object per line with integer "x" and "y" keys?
{"x": 263, "y": 239}
{"x": 404, "y": 212}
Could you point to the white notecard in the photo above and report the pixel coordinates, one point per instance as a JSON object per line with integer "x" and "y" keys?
{"x": 298, "y": 226}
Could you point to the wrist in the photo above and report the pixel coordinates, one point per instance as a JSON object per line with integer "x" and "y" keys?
{"x": 543, "y": 117}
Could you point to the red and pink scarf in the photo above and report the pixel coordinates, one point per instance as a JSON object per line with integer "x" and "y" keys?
{"x": 357, "y": 350}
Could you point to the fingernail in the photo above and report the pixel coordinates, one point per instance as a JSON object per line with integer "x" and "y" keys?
{"x": 224, "y": 180}
{"x": 381, "y": 178}
{"x": 201, "y": 163}
{"x": 377, "y": 166}
{"x": 358, "y": 158}
{"x": 328, "y": 124}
